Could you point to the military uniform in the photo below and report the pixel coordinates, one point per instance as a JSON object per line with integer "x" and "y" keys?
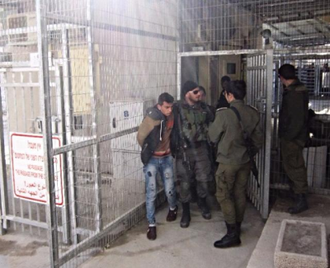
{"x": 293, "y": 133}
{"x": 197, "y": 166}
{"x": 234, "y": 166}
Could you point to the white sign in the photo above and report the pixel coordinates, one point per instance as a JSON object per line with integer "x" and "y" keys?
{"x": 27, "y": 162}
{"x": 34, "y": 59}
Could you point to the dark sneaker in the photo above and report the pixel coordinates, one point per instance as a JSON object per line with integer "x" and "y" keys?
{"x": 171, "y": 216}
{"x": 151, "y": 233}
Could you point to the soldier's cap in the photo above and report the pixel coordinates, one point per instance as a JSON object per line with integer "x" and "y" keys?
{"x": 188, "y": 86}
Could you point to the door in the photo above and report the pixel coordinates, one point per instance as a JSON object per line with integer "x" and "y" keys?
{"x": 259, "y": 95}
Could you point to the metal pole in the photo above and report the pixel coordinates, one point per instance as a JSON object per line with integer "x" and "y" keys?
{"x": 45, "y": 106}
{"x": 67, "y": 121}
{"x": 3, "y": 179}
{"x": 94, "y": 111}
{"x": 179, "y": 60}
{"x": 268, "y": 141}
{"x": 61, "y": 127}
{"x": 178, "y": 95}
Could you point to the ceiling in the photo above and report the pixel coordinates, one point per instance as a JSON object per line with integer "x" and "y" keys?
{"x": 293, "y": 22}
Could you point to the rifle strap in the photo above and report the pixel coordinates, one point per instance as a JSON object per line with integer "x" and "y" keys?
{"x": 239, "y": 119}
{"x": 245, "y": 133}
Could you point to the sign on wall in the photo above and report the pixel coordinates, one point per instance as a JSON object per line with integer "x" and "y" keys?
{"x": 27, "y": 162}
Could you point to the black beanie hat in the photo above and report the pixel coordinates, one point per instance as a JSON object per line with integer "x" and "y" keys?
{"x": 188, "y": 86}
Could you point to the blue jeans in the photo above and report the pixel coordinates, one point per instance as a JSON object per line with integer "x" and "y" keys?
{"x": 164, "y": 166}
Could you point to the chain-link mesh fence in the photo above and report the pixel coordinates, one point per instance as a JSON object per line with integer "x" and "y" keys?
{"x": 254, "y": 24}
{"x": 312, "y": 70}
{"x": 297, "y": 32}
{"x": 84, "y": 72}
{"x": 103, "y": 63}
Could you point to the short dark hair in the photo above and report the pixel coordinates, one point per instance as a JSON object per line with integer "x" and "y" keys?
{"x": 225, "y": 79}
{"x": 237, "y": 88}
{"x": 165, "y": 97}
{"x": 287, "y": 71}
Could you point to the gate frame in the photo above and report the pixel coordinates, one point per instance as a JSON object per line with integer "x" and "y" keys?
{"x": 280, "y": 57}
{"x": 264, "y": 210}
{"x": 3, "y": 182}
{"x": 47, "y": 131}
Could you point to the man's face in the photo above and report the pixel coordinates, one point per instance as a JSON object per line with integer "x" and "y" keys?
{"x": 203, "y": 96}
{"x": 165, "y": 108}
{"x": 224, "y": 85}
{"x": 194, "y": 95}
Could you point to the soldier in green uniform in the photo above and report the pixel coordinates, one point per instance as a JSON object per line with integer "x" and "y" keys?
{"x": 293, "y": 134}
{"x": 192, "y": 161}
{"x": 234, "y": 162}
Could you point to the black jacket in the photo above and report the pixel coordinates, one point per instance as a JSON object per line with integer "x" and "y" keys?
{"x": 293, "y": 123}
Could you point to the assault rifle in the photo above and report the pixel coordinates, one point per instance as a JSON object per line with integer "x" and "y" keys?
{"x": 183, "y": 142}
{"x": 251, "y": 148}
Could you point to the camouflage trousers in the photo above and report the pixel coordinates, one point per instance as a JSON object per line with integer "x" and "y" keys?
{"x": 198, "y": 168}
{"x": 231, "y": 190}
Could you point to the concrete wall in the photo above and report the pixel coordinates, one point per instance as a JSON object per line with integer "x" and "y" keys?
{"x": 137, "y": 48}
{"x": 219, "y": 25}
{"x": 204, "y": 76}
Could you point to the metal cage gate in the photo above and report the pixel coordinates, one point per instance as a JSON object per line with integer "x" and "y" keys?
{"x": 259, "y": 94}
{"x": 311, "y": 69}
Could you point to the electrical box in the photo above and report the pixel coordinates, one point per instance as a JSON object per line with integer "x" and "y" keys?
{"x": 125, "y": 149}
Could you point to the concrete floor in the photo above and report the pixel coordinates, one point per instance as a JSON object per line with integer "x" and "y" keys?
{"x": 174, "y": 247}
{"x": 177, "y": 247}
{"x": 263, "y": 255}
{"x": 22, "y": 250}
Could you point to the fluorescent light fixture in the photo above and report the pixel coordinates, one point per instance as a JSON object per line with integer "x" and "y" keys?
{"x": 285, "y": 3}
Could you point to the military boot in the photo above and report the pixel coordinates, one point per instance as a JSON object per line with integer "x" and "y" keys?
{"x": 300, "y": 206}
{"x": 231, "y": 239}
{"x": 204, "y": 208}
{"x": 185, "y": 219}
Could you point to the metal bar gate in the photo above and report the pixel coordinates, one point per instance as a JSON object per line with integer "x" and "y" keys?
{"x": 259, "y": 75}
{"x": 259, "y": 95}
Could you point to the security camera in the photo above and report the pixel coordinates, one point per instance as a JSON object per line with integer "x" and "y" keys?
{"x": 267, "y": 35}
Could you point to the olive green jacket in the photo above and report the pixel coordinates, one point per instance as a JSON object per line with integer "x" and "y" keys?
{"x": 227, "y": 132}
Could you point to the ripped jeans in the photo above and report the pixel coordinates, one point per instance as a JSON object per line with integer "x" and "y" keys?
{"x": 164, "y": 166}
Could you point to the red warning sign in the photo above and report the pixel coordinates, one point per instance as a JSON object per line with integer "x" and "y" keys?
{"x": 27, "y": 163}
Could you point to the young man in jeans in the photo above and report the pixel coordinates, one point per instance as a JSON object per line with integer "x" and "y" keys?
{"x": 157, "y": 139}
